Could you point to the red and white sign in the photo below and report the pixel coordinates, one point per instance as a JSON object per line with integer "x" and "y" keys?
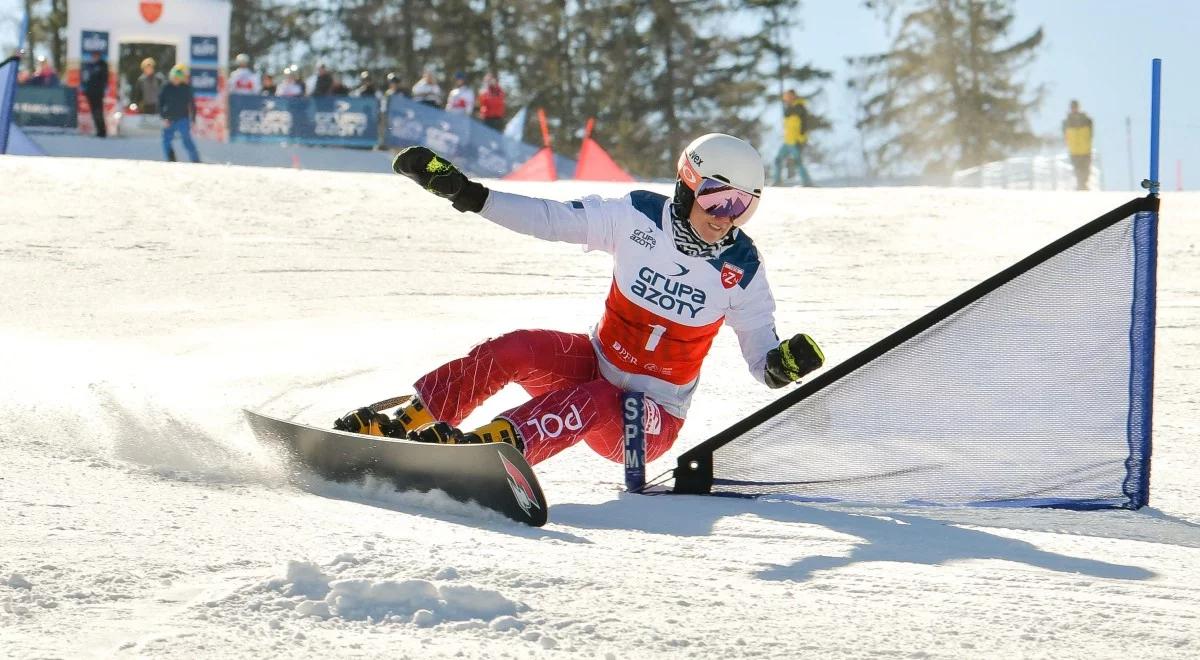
{"x": 731, "y": 275}
{"x": 151, "y": 11}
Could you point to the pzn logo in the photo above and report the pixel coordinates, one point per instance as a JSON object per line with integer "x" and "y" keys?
{"x": 552, "y": 426}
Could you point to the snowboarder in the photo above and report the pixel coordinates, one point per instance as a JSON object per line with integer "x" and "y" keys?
{"x": 682, "y": 267}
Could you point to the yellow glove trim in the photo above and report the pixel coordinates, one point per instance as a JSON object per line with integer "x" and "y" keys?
{"x": 816, "y": 349}
{"x": 789, "y": 362}
{"x": 437, "y": 166}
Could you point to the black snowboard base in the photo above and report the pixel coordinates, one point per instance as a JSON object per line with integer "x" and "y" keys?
{"x": 495, "y": 476}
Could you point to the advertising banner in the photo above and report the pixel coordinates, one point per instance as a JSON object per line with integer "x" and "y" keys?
{"x": 204, "y": 59}
{"x": 46, "y": 107}
{"x": 93, "y": 41}
{"x": 477, "y": 149}
{"x": 204, "y": 65}
{"x": 331, "y": 120}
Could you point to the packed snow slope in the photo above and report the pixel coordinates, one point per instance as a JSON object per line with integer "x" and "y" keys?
{"x": 144, "y": 304}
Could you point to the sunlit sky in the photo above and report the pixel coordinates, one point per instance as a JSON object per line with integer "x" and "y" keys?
{"x": 1096, "y": 51}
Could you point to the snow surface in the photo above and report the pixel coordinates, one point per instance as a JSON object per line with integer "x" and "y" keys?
{"x": 146, "y": 303}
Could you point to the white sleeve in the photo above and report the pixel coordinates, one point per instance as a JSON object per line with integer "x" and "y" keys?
{"x": 752, "y": 317}
{"x": 541, "y": 218}
{"x": 590, "y": 222}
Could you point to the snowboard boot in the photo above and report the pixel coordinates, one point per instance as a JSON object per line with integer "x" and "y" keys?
{"x": 410, "y": 416}
{"x": 498, "y": 430}
{"x": 364, "y": 421}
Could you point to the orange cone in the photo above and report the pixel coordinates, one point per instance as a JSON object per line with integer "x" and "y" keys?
{"x": 594, "y": 162}
{"x": 541, "y": 166}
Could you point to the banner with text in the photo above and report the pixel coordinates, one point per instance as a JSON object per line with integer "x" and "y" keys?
{"x": 477, "y": 149}
{"x": 46, "y": 107}
{"x": 333, "y": 120}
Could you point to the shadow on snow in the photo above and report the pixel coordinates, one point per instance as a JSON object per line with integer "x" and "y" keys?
{"x": 887, "y": 535}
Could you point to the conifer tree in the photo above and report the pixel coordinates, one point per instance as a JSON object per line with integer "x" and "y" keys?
{"x": 385, "y": 34}
{"x": 948, "y": 94}
{"x": 263, "y": 28}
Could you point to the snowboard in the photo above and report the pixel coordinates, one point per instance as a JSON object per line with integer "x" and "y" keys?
{"x": 495, "y": 476}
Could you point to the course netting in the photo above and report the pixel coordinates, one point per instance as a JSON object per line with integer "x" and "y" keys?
{"x": 1033, "y": 388}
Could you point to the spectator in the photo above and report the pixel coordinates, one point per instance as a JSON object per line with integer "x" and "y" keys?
{"x": 268, "y": 85}
{"x": 291, "y": 85}
{"x": 244, "y": 80}
{"x": 462, "y": 97}
{"x": 366, "y": 86}
{"x": 177, "y": 107}
{"x": 795, "y": 136}
{"x": 1077, "y": 133}
{"x": 322, "y": 81}
{"x": 45, "y": 75}
{"x": 427, "y": 90}
{"x": 95, "y": 86}
{"x": 491, "y": 103}
{"x": 393, "y": 85}
{"x": 147, "y": 88}
{"x": 339, "y": 87}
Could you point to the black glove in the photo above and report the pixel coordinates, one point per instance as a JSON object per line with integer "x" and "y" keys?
{"x": 792, "y": 359}
{"x": 440, "y": 177}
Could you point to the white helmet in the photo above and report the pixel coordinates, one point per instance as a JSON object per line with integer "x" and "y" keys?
{"x": 242, "y": 59}
{"x": 722, "y": 158}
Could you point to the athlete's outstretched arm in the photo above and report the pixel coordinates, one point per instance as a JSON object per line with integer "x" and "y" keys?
{"x": 542, "y": 218}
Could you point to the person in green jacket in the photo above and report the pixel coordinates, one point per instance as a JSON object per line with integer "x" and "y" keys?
{"x": 795, "y": 136}
{"x": 1077, "y": 133}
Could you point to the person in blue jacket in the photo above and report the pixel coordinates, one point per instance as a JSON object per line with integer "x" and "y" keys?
{"x": 177, "y": 107}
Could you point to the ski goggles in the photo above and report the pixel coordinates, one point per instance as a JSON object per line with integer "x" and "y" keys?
{"x": 718, "y": 198}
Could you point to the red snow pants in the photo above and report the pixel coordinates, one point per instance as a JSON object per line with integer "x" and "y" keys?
{"x": 571, "y": 400}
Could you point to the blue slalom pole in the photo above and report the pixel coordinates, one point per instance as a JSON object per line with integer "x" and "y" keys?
{"x": 633, "y": 406}
{"x": 1155, "y": 110}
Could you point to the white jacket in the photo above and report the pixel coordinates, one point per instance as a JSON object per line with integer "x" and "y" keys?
{"x": 664, "y": 307}
{"x": 462, "y": 100}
